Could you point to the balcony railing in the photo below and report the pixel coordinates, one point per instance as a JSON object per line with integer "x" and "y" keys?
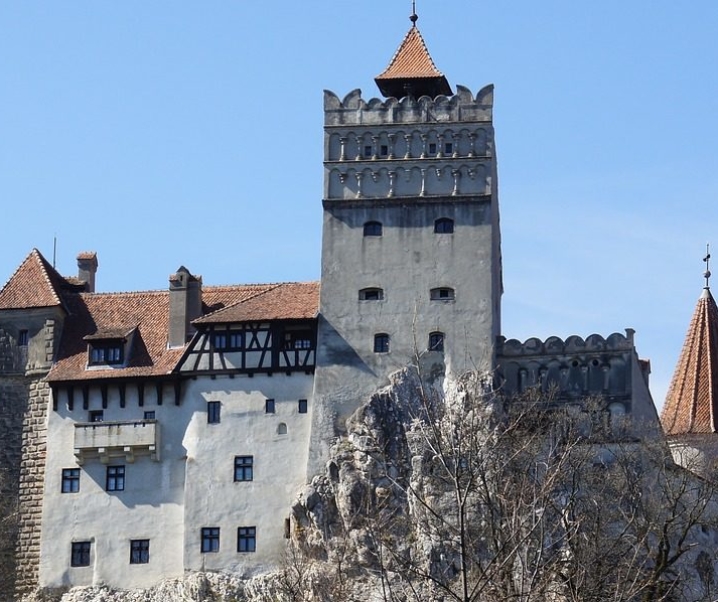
{"x": 105, "y": 440}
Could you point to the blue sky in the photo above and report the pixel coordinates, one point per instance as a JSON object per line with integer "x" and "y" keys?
{"x": 162, "y": 134}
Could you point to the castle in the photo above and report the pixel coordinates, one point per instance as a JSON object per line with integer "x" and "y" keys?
{"x": 154, "y": 433}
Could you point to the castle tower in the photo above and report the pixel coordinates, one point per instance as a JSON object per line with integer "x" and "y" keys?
{"x": 411, "y": 261}
{"x": 690, "y": 412}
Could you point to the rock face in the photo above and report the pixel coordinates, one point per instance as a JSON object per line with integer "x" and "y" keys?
{"x": 417, "y": 480}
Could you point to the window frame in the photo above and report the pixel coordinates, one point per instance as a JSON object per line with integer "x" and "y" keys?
{"x": 371, "y": 293}
{"x": 270, "y": 406}
{"x": 139, "y": 551}
{"x": 243, "y": 469}
{"x": 106, "y": 353}
{"x": 149, "y": 415}
{"x": 246, "y": 540}
{"x": 303, "y": 406}
{"x": 23, "y": 338}
{"x": 115, "y": 478}
{"x": 71, "y": 478}
{"x": 382, "y": 342}
{"x": 437, "y": 341}
{"x": 96, "y": 416}
{"x": 80, "y": 553}
{"x": 442, "y": 293}
{"x": 373, "y": 228}
{"x": 443, "y": 225}
{"x": 209, "y": 540}
{"x": 214, "y": 412}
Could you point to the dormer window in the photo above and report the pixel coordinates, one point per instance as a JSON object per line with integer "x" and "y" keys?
{"x": 106, "y": 352}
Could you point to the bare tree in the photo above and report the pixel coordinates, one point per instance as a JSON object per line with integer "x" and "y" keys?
{"x": 467, "y": 496}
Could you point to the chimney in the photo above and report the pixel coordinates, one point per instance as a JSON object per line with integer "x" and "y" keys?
{"x": 185, "y": 305}
{"x": 87, "y": 268}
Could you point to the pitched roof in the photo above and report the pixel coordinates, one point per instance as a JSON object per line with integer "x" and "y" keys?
{"x": 691, "y": 405}
{"x": 96, "y": 316}
{"x": 34, "y": 284}
{"x": 412, "y": 71}
{"x": 287, "y": 301}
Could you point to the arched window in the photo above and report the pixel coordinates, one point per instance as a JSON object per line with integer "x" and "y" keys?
{"x": 373, "y": 229}
{"x": 436, "y": 341}
{"x": 381, "y": 343}
{"x": 282, "y": 429}
{"x": 444, "y": 225}
{"x": 443, "y": 293}
{"x": 371, "y": 294}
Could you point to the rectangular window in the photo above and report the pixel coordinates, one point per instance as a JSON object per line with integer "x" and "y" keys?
{"x": 243, "y": 468}
{"x": 97, "y": 416}
{"x": 302, "y": 406}
{"x": 367, "y": 151}
{"x": 110, "y": 353}
{"x": 299, "y": 339}
{"x": 150, "y": 415}
{"x": 449, "y": 148}
{"x": 432, "y": 148}
{"x": 80, "y": 553}
{"x": 115, "y": 478}
{"x": 139, "y": 551}
{"x": 384, "y": 150}
{"x": 269, "y": 406}
{"x": 210, "y": 539}
{"x": 232, "y": 340}
{"x": 213, "y": 412}
{"x": 22, "y": 338}
{"x": 70, "y": 480}
{"x": 246, "y": 539}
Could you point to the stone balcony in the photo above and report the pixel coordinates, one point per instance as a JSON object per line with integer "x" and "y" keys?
{"x": 106, "y": 440}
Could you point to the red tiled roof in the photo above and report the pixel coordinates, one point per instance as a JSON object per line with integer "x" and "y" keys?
{"x": 34, "y": 284}
{"x": 411, "y": 60}
{"x": 691, "y": 405}
{"x": 93, "y": 316}
{"x": 288, "y": 301}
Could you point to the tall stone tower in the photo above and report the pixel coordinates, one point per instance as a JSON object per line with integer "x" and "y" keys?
{"x": 411, "y": 260}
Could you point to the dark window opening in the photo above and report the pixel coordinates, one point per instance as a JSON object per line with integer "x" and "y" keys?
{"x": 442, "y": 294}
{"x": 109, "y": 353}
{"x": 70, "y": 480}
{"x": 139, "y": 551}
{"x": 80, "y": 553}
{"x": 373, "y": 229}
{"x": 381, "y": 343}
{"x": 244, "y": 468}
{"x": 303, "y": 406}
{"x": 449, "y": 148}
{"x": 22, "y": 338}
{"x": 432, "y": 148}
{"x": 444, "y": 225}
{"x": 97, "y": 416}
{"x": 367, "y": 151}
{"x": 115, "y": 478}
{"x": 150, "y": 415}
{"x": 371, "y": 294}
{"x": 298, "y": 339}
{"x": 269, "y": 406}
{"x": 210, "y": 539}
{"x": 214, "y": 409}
{"x": 246, "y": 539}
{"x": 231, "y": 340}
{"x": 436, "y": 341}
{"x": 383, "y": 150}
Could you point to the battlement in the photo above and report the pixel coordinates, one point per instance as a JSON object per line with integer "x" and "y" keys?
{"x": 461, "y": 107}
{"x": 572, "y": 345}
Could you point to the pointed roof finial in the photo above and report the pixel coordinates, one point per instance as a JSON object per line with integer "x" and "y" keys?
{"x": 707, "y": 273}
{"x": 414, "y": 17}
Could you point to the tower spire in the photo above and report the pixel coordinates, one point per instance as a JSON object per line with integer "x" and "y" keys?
{"x": 414, "y": 17}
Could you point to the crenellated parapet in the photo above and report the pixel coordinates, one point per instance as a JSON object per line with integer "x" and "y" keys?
{"x": 575, "y": 368}
{"x": 410, "y": 147}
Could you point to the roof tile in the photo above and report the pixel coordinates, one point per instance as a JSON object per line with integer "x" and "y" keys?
{"x": 34, "y": 284}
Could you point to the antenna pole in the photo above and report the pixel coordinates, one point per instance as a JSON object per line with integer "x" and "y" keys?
{"x": 54, "y": 250}
{"x": 707, "y": 273}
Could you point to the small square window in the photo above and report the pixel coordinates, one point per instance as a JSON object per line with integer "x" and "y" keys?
{"x": 269, "y": 406}
{"x": 115, "y": 478}
{"x": 150, "y": 415}
{"x": 22, "y": 338}
{"x": 139, "y": 551}
{"x": 96, "y": 416}
{"x": 302, "y": 407}
{"x": 80, "y": 553}
{"x": 70, "y": 480}
{"x": 244, "y": 468}
{"x": 246, "y": 539}
{"x": 210, "y": 539}
{"x": 381, "y": 343}
{"x": 213, "y": 412}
